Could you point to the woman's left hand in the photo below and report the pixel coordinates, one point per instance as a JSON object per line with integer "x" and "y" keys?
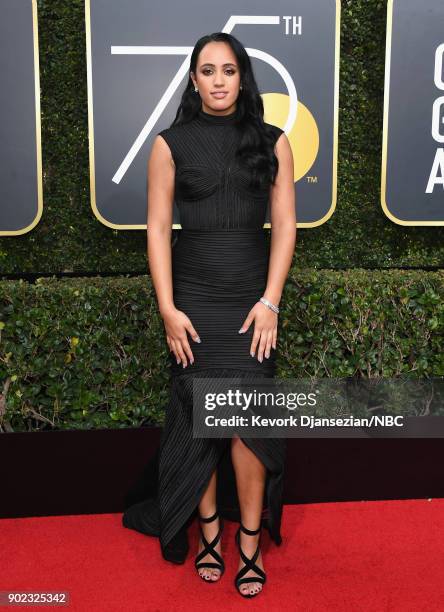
{"x": 265, "y": 329}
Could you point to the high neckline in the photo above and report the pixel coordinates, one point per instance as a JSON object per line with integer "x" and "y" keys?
{"x": 217, "y": 119}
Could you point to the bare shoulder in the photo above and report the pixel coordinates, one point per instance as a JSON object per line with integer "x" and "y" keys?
{"x": 161, "y": 152}
{"x": 282, "y": 142}
{"x": 285, "y": 158}
{"x": 282, "y": 147}
{"x": 172, "y": 139}
{"x": 274, "y": 130}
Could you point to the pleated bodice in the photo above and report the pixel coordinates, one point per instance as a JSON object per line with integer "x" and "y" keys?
{"x": 211, "y": 188}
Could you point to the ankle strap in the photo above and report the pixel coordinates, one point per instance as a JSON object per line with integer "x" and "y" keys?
{"x": 208, "y": 519}
{"x": 250, "y": 531}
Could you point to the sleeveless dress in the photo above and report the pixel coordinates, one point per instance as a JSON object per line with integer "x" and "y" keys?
{"x": 219, "y": 272}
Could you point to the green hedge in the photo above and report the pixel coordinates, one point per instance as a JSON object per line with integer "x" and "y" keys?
{"x": 91, "y": 352}
{"x": 70, "y": 239}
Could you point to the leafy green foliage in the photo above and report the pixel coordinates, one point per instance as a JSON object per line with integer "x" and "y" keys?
{"x": 90, "y": 353}
{"x": 83, "y": 353}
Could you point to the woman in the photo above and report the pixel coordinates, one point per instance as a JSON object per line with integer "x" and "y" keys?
{"x": 223, "y": 166}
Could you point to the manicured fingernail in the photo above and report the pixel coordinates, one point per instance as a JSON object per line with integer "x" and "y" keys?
{"x": 198, "y": 339}
{"x": 252, "y": 354}
{"x": 241, "y": 331}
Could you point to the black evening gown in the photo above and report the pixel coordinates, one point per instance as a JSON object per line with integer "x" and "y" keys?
{"x": 219, "y": 269}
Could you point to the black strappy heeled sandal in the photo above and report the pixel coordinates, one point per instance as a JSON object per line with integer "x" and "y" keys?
{"x": 250, "y": 564}
{"x": 209, "y": 550}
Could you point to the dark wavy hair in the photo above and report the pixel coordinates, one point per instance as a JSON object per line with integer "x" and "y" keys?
{"x": 256, "y": 145}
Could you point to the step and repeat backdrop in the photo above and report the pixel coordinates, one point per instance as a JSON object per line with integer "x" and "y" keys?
{"x": 137, "y": 55}
{"x": 138, "y": 63}
{"x": 412, "y": 178}
{"x": 21, "y": 199}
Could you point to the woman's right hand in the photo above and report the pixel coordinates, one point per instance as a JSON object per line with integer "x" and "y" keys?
{"x": 177, "y": 324}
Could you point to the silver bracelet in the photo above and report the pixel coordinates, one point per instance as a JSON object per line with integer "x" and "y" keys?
{"x": 270, "y": 305}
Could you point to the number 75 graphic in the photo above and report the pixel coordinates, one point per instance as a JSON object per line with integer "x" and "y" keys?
{"x": 184, "y": 68}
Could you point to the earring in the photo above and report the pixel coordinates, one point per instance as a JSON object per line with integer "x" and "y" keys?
{"x": 240, "y": 87}
{"x": 196, "y": 89}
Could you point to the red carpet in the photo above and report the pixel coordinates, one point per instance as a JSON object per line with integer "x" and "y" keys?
{"x": 385, "y": 555}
